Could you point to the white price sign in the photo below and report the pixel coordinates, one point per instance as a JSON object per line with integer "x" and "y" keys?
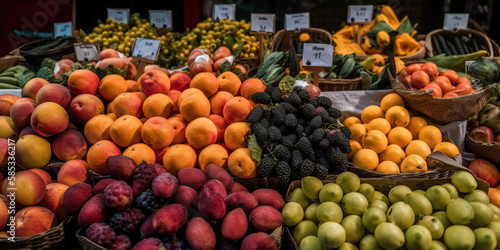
{"x": 360, "y": 13}
{"x": 63, "y": 29}
{"x": 262, "y": 23}
{"x": 146, "y": 48}
{"x": 86, "y": 52}
{"x": 297, "y": 21}
{"x": 456, "y": 21}
{"x": 317, "y": 55}
{"x": 224, "y": 11}
{"x": 467, "y": 64}
{"x": 119, "y": 15}
{"x": 160, "y": 19}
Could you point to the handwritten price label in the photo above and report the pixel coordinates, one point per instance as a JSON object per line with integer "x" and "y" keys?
{"x": 360, "y": 13}
{"x": 63, "y": 29}
{"x": 160, "y": 19}
{"x": 262, "y": 23}
{"x": 87, "y": 52}
{"x": 146, "y": 48}
{"x": 224, "y": 11}
{"x": 456, "y": 21}
{"x": 297, "y": 21}
{"x": 317, "y": 55}
{"x": 119, "y": 15}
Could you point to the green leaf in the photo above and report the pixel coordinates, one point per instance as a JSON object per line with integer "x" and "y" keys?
{"x": 238, "y": 50}
{"x": 224, "y": 67}
{"x": 366, "y": 79}
{"x": 254, "y": 148}
{"x": 495, "y": 90}
{"x": 45, "y": 73}
{"x": 114, "y": 70}
{"x": 23, "y": 79}
{"x": 286, "y": 84}
{"x": 405, "y": 27}
{"x": 81, "y": 33}
{"x": 382, "y": 25}
{"x": 304, "y": 77}
{"x": 48, "y": 63}
{"x": 382, "y": 81}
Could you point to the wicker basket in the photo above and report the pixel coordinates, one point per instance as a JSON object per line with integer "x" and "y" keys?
{"x": 483, "y": 40}
{"x": 55, "y": 238}
{"x": 442, "y": 110}
{"x": 315, "y": 34}
{"x": 250, "y": 61}
{"x": 339, "y": 84}
{"x": 489, "y": 151}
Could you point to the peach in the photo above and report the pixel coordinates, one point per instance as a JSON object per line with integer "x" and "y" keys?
{"x": 108, "y": 53}
{"x": 4, "y": 214}
{"x": 157, "y": 105}
{"x": 218, "y": 101}
{"x": 154, "y": 81}
{"x": 111, "y": 86}
{"x": 221, "y": 125}
{"x": 31, "y": 88}
{"x": 69, "y": 145}
{"x": 260, "y": 240}
{"x": 214, "y": 154}
{"x": 241, "y": 199}
{"x": 32, "y": 151}
{"x": 265, "y": 218}
{"x": 53, "y": 200}
{"x": 185, "y": 196}
{"x": 49, "y": 118}
{"x": 158, "y": 132}
{"x": 170, "y": 219}
{"x": 76, "y": 196}
{"x": 126, "y": 130}
{"x": 230, "y": 82}
{"x": 34, "y": 220}
{"x": 211, "y": 206}
{"x": 241, "y": 164}
{"x": 192, "y": 177}
{"x": 6, "y": 101}
{"x": 53, "y": 93}
{"x": 99, "y": 153}
{"x": 42, "y": 173}
{"x": 73, "y": 172}
{"x": 193, "y": 105}
{"x": 127, "y": 104}
{"x": 200, "y": 234}
{"x": 97, "y": 128}
{"x": 29, "y": 188}
{"x": 179, "y": 125}
{"x": 179, "y": 81}
{"x": 85, "y": 106}
{"x": 235, "y": 135}
{"x": 4, "y": 152}
{"x": 179, "y": 156}
{"x": 140, "y": 152}
{"x": 83, "y": 81}
{"x": 234, "y": 225}
{"x": 7, "y": 128}
{"x": 237, "y": 187}
{"x": 93, "y": 211}
{"x": 214, "y": 171}
{"x": 133, "y": 86}
{"x": 251, "y": 86}
{"x": 206, "y": 82}
{"x": 271, "y": 197}
{"x": 121, "y": 167}
{"x": 201, "y": 132}
{"x": 28, "y": 130}
{"x": 236, "y": 109}
{"x": 21, "y": 110}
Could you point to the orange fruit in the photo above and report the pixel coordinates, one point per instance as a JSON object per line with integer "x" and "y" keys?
{"x": 230, "y": 82}
{"x": 431, "y": 135}
{"x": 388, "y": 167}
{"x": 419, "y": 79}
{"x": 418, "y": 147}
{"x": 179, "y": 156}
{"x": 391, "y": 99}
{"x": 450, "y": 95}
{"x": 355, "y": 147}
{"x": 366, "y": 158}
{"x": 241, "y": 164}
{"x": 413, "y": 163}
{"x": 218, "y": 101}
{"x": 99, "y": 153}
{"x": 157, "y": 105}
{"x": 400, "y": 136}
{"x": 201, "y": 132}
{"x": 206, "y": 82}
{"x": 97, "y": 128}
{"x": 416, "y": 124}
{"x": 393, "y": 153}
{"x": 126, "y": 104}
{"x": 188, "y": 92}
{"x": 215, "y": 154}
{"x": 371, "y": 112}
{"x": 430, "y": 68}
{"x": 375, "y": 140}
{"x": 358, "y": 131}
{"x": 193, "y": 106}
{"x": 111, "y": 86}
{"x": 451, "y": 75}
{"x": 235, "y": 135}
{"x": 140, "y": 152}
{"x": 236, "y": 109}
{"x": 380, "y": 124}
{"x": 221, "y": 125}
{"x": 398, "y": 116}
{"x": 412, "y": 68}
{"x": 447, "y": 148}
{"x": 157, "y": 132}
{"x": 444, "y": 83}
{"x": 436, "y": 89}
{"x": 350, "y": 121}
{"x": 179, "y": 125}
{"x": 251, "y": 86}
{"x": 126, "y": 130}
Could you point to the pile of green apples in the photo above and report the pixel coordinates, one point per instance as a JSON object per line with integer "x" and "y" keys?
{"x": 348, "y": 214}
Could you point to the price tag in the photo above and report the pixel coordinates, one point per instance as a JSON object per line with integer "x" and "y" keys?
{"x": 317, "y": 55}
{"x": 160, "y": 19}
{"x": 297, "y": 21}
{"x": 262, "y": 23}
{"x": 467, "y": 64}
{"x": 360, "y": 13}
{"x": 63, "y": 29}
{"x": 455, "y": 21}
{"x": 119, "y": 15}
{"x": 86, "y": 52}
{"x": 224, "y": 11}
{"x": 146, "y": 48}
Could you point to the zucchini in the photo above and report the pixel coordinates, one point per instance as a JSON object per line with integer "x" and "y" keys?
{"x": 475, "y": 46}
{"x": 8, "y": 86}
{"x": 458, "y": 45}
{"x": 451, "y": 47}
{"x": 8, "y": 80}
{"x": 442, "y": 44}
{"x": 467, "y": 49}
{"x": 436, "y": 48}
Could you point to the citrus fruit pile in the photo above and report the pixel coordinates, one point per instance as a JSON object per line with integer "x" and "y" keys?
{"x": 387, "y": 139}
{"x": 349, "y": 214}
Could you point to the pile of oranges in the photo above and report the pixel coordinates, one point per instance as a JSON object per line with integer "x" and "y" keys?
{"x": 387, "y": 139}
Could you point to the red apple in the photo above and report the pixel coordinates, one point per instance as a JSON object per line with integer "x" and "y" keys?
{"x": 313, "y": 90}
{"x": 154, "y": 81}
{"x": 179, "y": 81}
{"x": 485, "y": 170}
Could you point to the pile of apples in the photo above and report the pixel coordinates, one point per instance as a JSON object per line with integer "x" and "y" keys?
{"x": 201, "y": 60}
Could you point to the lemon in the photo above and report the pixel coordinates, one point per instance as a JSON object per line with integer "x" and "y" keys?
{"x": 418, "y": 237}
{"x": 434, "y": 226}
{"x": 452, "y": 190}
{"x": 292, "y": 214}
{"x": 353, "y": 227}
{"x": 401, "y": 215}
{"x": 378, "y": 204}
{"x": 303, "y": 229}
{"x": 331, "y": 192}
{"x": 398, "y": 193}
{"x": 354, "y": 203}
{"x": 311, "y": 242}
{"x": 329, "y": 211}
{"x": 372, "y": 218}
{"x": 310, "y": 212}
{"x": 464, "y": 181}
{"x": 348, "y": 181}
{"x": 367, "y": 190}
{"x": 459, "y": 212}
{"x": 485, "y": 238}
{"x": 438, "y": 196}
{"x": 331, "y": 234}
{"x": 477, "y": 195}
{"x": 459, "y": 237}
{"x": 443, "y": 218}
{"x": 297, "y": 195}
{"x": 483, "y": 214}
{"x": 368, "y": 242}
{"x": 389, "y": 236}
{"x": 420, "y": 205}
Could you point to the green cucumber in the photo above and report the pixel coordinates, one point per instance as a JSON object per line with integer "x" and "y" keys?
{"x": 8, "y": 86}
{"x": 8, "y": 80}
{"x": 451, "y": 47}
{"x": 458, "y": 45}
{"x": 443, "y": 45}
{"x": 436, "y": 48}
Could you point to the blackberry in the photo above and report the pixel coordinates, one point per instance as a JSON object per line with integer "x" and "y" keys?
{"x": 278, "y": 113}
{"x": 346, "y": 131}
{"x": 288, "y": 107}
{"x": 281, "y": 153}
{"x": 316, "y": 122}
{"x": 301, "y": 121}
{"x": 265, "y": 167}
{"x": 320, "y": 171}
{"x": 259, "y": 131}
{"x": 338, "y": 160}
{"x": 297, "y": 89}
{"x": 314, "y": 102}
{"x": 317, "y": 135}
{"x": 306, "y": 168}
{"x": 304, "y": 96}
{"x": 308, "y": 111}
{"x": 308, "y": 130}
{"x": 324, "y": 144}
{"x": 174, "y": 242}
{"x": 283, "y": 171}
{"x": 305, "y": 147}
{"x": 289, "y": 141}
{"x": 332, "y": 120}
{"x": 290, "y": 121}
{"x": 299, "y": 129}
{"x": 324, "y": 101}
{"x": 269, "y": 89}
{"x": 276, "y": 95}
{"x": 323, "y": 161}
{"x": 261, "y": 97}
{"x": 266, "y": 114}
{"x": 127, "y": 221}
{"x": 341, "y": 141}
{"x": 148, "y": 202}
{"x": 334, "y": 112}
{"x": 297, "y": 160}
{"x": 255, "y": 115}
{"x": 323, "y": 113}
{"x": 294, "y": 99}
{"x": 274, "y": 134}
{"x": 264, "y": 122}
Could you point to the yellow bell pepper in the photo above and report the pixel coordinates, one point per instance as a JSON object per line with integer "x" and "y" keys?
{"x": 345, "y": 43}
{"x": 383, "y": 38}
{"x": 399, "y": 64}
{"x": 405, "y": 45}
{"x": 392, "y": 19}
{"x": 371, "y": 50}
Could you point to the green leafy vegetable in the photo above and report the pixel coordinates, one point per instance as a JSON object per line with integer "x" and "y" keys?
{"x": 286, "y": 83}
{"x": 45, "y": 73}
{"x": 48, "y": 63}
{"x": 254, "y": 148}
{"x": 27, "y": 75}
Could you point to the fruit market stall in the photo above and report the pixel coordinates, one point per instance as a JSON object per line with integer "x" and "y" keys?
{"x": 227, "y": 137}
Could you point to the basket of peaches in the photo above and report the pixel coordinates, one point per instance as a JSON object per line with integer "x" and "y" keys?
{"x": 443, "y": 96}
